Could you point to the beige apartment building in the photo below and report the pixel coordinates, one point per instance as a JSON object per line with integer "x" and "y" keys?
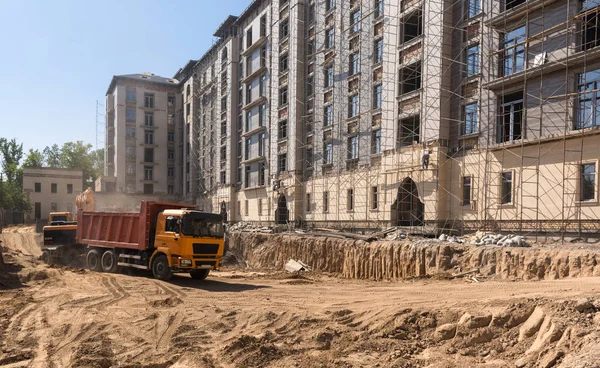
{"x": 51, "y": 190}
{"x": 471, "y": 114}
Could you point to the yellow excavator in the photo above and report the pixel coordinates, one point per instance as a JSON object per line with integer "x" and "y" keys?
{"x": 60, "y": 245}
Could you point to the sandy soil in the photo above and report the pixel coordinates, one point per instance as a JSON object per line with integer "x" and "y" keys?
{"x": 63, "y": 317}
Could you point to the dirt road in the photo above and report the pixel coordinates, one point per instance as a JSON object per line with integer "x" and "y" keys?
{"x": 240, "y": 318}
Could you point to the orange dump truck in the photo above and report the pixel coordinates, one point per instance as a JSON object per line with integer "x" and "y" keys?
{"x": 165, "y": 238}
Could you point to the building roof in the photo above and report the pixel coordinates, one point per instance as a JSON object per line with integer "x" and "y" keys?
{"x": 227, "y": 23}
{"x": 253, "y": 6}
{"x": 143, "y": 77}
{"x": 184, "y": 73}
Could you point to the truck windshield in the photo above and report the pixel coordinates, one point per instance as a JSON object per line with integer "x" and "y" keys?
{"x": 197, "y": 225}
{"x": 59, "y": 218}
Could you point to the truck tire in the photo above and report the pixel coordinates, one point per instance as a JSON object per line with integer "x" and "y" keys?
{"x": 45, "y": 257}
{"x": 109, "y": 262}
{"x": 93, "y": 260}
{"x": 199, "y": 274}
{"x": 161, "y": 269}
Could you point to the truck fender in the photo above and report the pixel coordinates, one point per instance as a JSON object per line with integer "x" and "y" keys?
{"x": 159, "y": 251}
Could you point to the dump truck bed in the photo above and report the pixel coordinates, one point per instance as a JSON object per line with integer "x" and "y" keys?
{"x": 122, "y": 229}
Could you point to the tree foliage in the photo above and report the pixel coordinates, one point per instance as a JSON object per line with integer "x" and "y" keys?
{"x": 34, "y": 159}
{"x": 11, "y": 177}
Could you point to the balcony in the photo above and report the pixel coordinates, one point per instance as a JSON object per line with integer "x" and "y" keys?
{"x": 254, "y": 46}
{"x": 255, "y": 102}
{"x": 256, "y": 130}
{"x": 255, "y": 73}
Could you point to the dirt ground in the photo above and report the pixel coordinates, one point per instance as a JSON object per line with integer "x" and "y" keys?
{"x": 64, "y": 317}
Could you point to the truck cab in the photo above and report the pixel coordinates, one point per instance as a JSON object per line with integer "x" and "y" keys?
{"x": 60, "y": 239}
{"x": 192, "y": 241}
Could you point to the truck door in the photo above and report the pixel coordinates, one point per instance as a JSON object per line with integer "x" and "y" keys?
{"x": 167, "y": 234}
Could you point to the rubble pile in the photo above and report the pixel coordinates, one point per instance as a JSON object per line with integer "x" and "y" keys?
{"x": 500, "y": 240}
{"x": 248, "y": 227}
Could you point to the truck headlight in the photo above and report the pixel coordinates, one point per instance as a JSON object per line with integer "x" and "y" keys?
{"x": 185, "y": 262}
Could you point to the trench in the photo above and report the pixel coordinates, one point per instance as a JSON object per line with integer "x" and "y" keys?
{"x": 386, "y": 260}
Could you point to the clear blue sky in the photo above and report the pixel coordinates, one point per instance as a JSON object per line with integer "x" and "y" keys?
{"x": 58, "y": 57}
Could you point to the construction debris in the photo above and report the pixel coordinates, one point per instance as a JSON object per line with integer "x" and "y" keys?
{"x": 296, "y": 266}
{"x": 248, "y": 227}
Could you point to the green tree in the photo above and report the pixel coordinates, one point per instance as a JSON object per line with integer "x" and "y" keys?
{"x": 34, "y": 158}
{"x": 11, "y": 189}
{"x": 77, "y": 155}
{"x": 52, "y": 156}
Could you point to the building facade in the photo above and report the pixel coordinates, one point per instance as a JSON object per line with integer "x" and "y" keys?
{"x": 51, "y": 190}
{"x": 364, "y": 113}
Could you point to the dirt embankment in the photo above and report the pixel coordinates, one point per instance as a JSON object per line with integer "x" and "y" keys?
{"x": 395, "y": 260}
{"x": 23, "y": 239}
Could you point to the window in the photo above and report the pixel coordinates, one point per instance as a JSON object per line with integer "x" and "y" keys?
{"x": 149, "y": 100}
{"x": 473, "y": 8}
{"x": 412, "y": 27}
{"x": 353, "y": 106}
{"x": 247, "y": 148}
{"x": 376, "y": 141}
{"x": 328, "y": 76}
{"x": 284, "y": 28}
{"x": 408, "y": 131}
{"x": 588, "y": 182}
{"x": 247, "y": 177}
{"x": 283, "y": 63}
{"x": 170, "y": 172}
{"x": 510, "y": 117}
{"x": 248, "y": 120}
{"x": 149, "y": 119}
{"x": 328, "y": 116}
{"x": 311, "y": 47}
{"x": 53, "y": 188}
{"x": 473, "y": 60}
{"x": 308, "y": 209}
{"x": 470, "y": 118}
{"x": 130, "y": 132}
{"x": 350, "y": 200}
{"x": 171, "y": 154}
{"x": 148, "y": 154}
{"x": 239, "y": 175}
{"x": 374, "y": 198}
{"x": 171, "y": 136}
{"x": 148, "y": 189}
{"x": 69, "y": 188}
{"x": 223, "y": 104}
{"x": 328, "y": 153}
{"x": 466, "y": 190}
{"x": 310, "y": 86}
{"x": 354, "y": 64}
{"x": 188, "y": 90}
{"x": 263, "y": 56}
{"x": 377, "y": 97}
{"x": 378, "y": 52}
{"x": 249, "y": 37}
{"x": 410, "y": 78}
{"x": 590, "y": 32}
{"x": 588, "y": 106}
{"x": 378, "y": 8}
{"x": 261, "y": 174}
{"x": 260, "y": 206}
{"x": 282, "y": 131}
{"x": 248, "y": 93}
{"x": 130, "y": 96}
{"x": 223, "y": 177}
{"x": 506, "y": 188}
{"x": 171, "y": 101}
{"x": 130, "y": 114}
{"x": 262, "y": 88}
{"x": 148, "y": 173}
{"x": 352, "y": 147}
{"x": 263, "y": 26}
{"x": 130, "y": 169}
{"x": 246, "y": 208}
{"x": 148, "y": 137}
{"x": 171, "y": 119}
{"x": 170, "y": 189}
{"x": 130, "y": 151}
{"x": 261, "y": 144}
{"x": 283, "y": 96}
{"x": 513, "y": 56}
{"x": 282, "y": 163}
{"x": 53, "y": 207}
{"x": 512, "y": 3}
{"x": 355, "y": 21}
{"x": 329, "y": 4}
{"x": 329, "y": 38}
{"x": 325, "y": 202}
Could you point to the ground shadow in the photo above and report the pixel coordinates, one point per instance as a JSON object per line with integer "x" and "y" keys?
{"x": 214, "y": 285}
{"x": 9, "y": 278}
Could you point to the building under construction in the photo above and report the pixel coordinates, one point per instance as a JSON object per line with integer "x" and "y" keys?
{"x": 456, "y": 114}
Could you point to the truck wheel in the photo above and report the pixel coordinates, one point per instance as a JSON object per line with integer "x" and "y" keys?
{"x": 45, "y": 257}
{"x": 109, "y": 261}
{"x": 199, "y": 274}
{"x": 92, "y": 260}
{"x": 161, "y": 269}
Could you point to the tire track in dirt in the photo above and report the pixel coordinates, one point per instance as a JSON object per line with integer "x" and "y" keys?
{"x": 171, "y": 290}
{"x": 171, "y": 324}
{"x": 114, "y": 288}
